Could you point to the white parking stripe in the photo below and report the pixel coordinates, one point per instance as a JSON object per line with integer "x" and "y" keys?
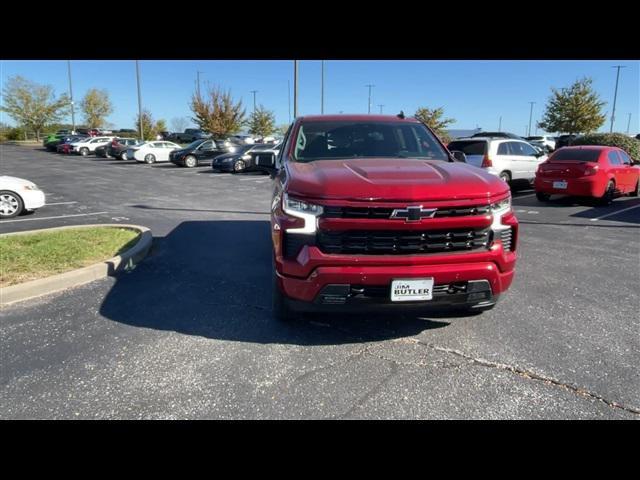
{"x": 523, "y": 196}
{"x": 615, "y": 213}
{"x": 60, "y": 203}
{"x": 49, "y": 218}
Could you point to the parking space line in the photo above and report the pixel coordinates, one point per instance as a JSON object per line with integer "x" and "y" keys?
{"x": 523, "y": 196}
{"x": 59, "y": 203}
{"x": 49, "y": 218}
{"x": 614, "y": 213}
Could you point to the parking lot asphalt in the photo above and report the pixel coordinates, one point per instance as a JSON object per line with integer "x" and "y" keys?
{"x": 189, "y": 334}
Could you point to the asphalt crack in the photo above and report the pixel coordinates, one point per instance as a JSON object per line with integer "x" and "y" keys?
{"x": 531, "y": 375}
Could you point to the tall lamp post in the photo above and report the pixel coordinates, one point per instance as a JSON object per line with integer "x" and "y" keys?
{"x": 369, "y": 107}
{"x": 254, "y": 99}
{"x": 295, "y": 88}
{"x": 530, "y": 117}
{"x": 322, "y": 88}
{"x": 139, "y": 100}
{"x": 73, "y": 114}
{"x": 615, "y": 96}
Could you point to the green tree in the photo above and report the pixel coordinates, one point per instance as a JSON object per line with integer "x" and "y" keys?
{"x": 577, "y": 109}
{"x": 433, "y": 119}
{"x": 96, "y": 107}
{"x": 262, "y": 122}
{"x": 216, "y": 112}
{"x": 147, "y": 125}
{"x": 161, "y": 126}
{"x": 32, "y": 105}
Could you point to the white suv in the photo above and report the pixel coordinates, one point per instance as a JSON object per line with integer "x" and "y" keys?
{"x": 88, "y": 145}
{"x": 543, "y": 141}
{"x": 508, "y": 158}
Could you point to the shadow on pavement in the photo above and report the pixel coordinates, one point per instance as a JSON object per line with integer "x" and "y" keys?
{"x": 213, "y": 279}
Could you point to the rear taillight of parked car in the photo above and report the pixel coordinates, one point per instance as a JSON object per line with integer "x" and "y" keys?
{"x": 486, "y": 162}
{"x": 590, "y": 169}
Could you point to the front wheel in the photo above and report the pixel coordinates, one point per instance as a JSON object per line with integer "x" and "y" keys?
{"x": 11, "y": 204}
{"x": 608, "y": 195}
{"x": 239, "y": 166}
{"x": 84, "y": 151}
{"x": 543, "y": 197}
{"x": 150, "y": 158}
{"x": 190, "y": 161}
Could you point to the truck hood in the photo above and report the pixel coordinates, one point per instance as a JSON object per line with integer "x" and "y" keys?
{"x": 385, "y": 179}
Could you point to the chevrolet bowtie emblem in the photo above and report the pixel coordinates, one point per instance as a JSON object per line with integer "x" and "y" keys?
{"x": 413, "y": 214}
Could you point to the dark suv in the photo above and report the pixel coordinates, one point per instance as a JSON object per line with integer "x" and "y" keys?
{"x": 118, "y": 147}
{"x": 200, "y": 152}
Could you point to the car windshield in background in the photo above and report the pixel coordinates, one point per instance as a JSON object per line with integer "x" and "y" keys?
{"x": 344, "y": 139}
{"x": 535, "y": 138}
{"x": 577, "y": 155}
{"x": 469, "y": 148}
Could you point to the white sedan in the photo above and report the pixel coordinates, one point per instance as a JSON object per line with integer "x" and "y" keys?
{"x": 18, "y": 195}
{"x": 152, "y": 152}
{"x": 88, "y": 145}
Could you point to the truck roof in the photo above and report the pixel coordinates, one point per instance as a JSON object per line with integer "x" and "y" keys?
{"x": 358, "y": 117}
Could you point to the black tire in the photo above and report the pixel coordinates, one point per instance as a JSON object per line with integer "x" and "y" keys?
{"x": 123, "y": 155}
{"x": 279, "y": 305}
{"x": 84, "y": 151}
{"x": 505, "y": 177}
{"x": 543, "y": 197}
{"x": 239, "y": 166}
{"x": 150, "y": 158}
{"x": 190, "y": 161}
{"x": 609, "y": 193}
{"x": 11, "y": 203}
{"x": 636, "y": 192}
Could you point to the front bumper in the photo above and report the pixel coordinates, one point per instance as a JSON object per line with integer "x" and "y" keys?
{"x": 33, "y": 199}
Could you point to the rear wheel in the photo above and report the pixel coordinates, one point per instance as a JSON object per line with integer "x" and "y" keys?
{"x": 190, "y": 161}
{"x": 505, "y": 177}
{"x": 636, "y": 191}
{"x": 543, "y": 197}
{"x": 11, "y": 204}
{"x": 609, "y": 192}
{"x": 150, "y": 158}
{"x": 123, "y": 156}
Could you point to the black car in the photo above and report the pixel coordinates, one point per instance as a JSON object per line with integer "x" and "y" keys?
{"x": 101, "y": 151}
{"x": 247, "y": 158}
{"x": 566, "y": 140}
{"x": 119, "y": 146}
{"x": 497, "y": 135}
{"x": 200, "y": 152}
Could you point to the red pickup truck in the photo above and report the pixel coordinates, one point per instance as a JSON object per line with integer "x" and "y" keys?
{"x": 373, "y": 212}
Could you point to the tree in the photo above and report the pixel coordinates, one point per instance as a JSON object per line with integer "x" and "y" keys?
{"x": 577, "y": 109}
{"x": 216, "y": 112}
{"x": 179, "y": 124}
{"x": 432, "y": 118}
{"x": 150, "y": 128}
{"x": 282, "y": 129}
{"x": 262, "y": 122}
{"x": 96, "y": 106}
{"x": 32, "y": 105}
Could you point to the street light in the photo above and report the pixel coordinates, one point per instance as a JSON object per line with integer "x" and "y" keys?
{"x": 370, "y": 87}
{"x": 254, "y": 99}
{"x": 615, "y": 96}
{"x": 73, "y": 115}
{"x": 322, "y": 88}
{"x": 530, "y": 117}
{"x": 295, "y": 88}
{"x": 628, "y": 124}
{"x": 198, "y": 76}
{"x": 380, "y": 108}
{"x": 139, "y": 100}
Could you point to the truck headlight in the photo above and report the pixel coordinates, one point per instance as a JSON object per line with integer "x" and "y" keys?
{"x": 300, "y": 209}
{"x": 499, "y": 209}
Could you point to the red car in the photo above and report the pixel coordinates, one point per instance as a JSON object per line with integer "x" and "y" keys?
{"x": 587, "y": 171}
{"x": 373, "y": 212}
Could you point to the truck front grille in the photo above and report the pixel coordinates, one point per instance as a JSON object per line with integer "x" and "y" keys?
{"x": 374, "y": 242}
{"x": 383, "y": 212}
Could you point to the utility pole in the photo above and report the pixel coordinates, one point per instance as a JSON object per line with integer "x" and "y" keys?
{"x": 289, "y": 97}
{"x": 615, "y": 96}
{"x": 295, "y": 88}
{"x": 500, "y": 124}
{"x": 139, "y": 100}
{"x": 530, "y": 117}
{"x": 198, "y": 76}
{"x": 322, "y": 89}
{"x": 73, "y": 114}
{"x": 370, "y": 87}
{"x": 628, "y": 124}
{"x": 380, "y": 108}
{"x": 254, "y": 99}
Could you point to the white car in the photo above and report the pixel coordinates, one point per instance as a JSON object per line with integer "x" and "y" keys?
{"x": 543, "y": 141}
{"x": 88, "y": 145}
{"x": 152, "y": 152}
{"x": 18, "y": 195}
{"x": 508, "y": 158}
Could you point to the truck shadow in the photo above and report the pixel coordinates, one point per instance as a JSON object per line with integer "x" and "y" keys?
{"x": 213, "y": 279}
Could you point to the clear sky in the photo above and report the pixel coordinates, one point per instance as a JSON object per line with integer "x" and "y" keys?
{"x": 474, "y": 92}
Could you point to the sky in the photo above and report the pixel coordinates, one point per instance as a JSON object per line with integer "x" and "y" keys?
{"x": 475, "y": 93}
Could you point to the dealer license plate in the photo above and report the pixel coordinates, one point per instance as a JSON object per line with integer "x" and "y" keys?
{"x": 411, "y": 290}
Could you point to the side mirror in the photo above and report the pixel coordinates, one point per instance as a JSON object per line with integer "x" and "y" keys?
{"x": 459, "y": 156}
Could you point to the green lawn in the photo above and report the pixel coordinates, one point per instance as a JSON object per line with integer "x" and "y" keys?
{"x": 39, "y": 255}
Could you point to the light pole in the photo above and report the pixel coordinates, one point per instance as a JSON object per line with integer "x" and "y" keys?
{"x": 369, "y": 107}
{"x": 628, "y": 124}
{"x": 530, "y": 117}
{"x": 322, "y": 88}
{"x": 73, "y": 114}
{"x": 615, "y": 96}
{"x": 380, "y": 108}
{"x": 254, "y": 99}
{"x": 295, "y": 88}
{"x": 198, "y": 76}
{"x": 500, "y": 124}
{"x": 289, "y": 97}
{"x": 139, "y": 100}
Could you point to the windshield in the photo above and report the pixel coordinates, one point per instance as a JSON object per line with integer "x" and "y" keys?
{"x": 576, "y": 154}
{"x": 350, "y": 139}
{"x": 195, "y": 144}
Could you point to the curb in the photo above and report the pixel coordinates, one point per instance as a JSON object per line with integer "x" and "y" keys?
{"x": 62, "y": 281}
